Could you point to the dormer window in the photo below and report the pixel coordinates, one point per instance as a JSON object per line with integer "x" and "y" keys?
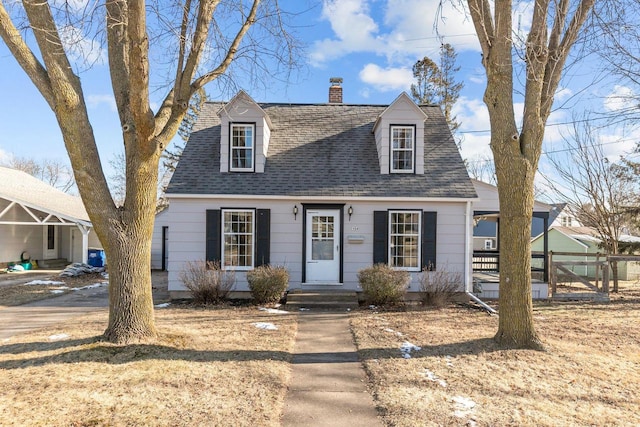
{"x": 242, "y": 147}
{"x": 403, "y": 145}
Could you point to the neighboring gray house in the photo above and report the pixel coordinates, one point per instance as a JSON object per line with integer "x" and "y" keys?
{"x": 322, "y": 189}
{"x": 41, "y": 221}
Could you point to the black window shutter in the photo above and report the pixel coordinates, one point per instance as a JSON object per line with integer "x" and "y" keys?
{"x": 263, "y": 236}
{"x": 380, "y": 237}
{"x": 214, "y": 244}
{"x": 429, "y": 226}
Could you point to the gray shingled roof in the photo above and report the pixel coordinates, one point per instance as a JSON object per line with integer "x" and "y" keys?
{"x": 322, "y": 150}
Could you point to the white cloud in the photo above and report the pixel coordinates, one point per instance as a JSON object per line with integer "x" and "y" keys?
{"x": 5, "y": 157}
{"x": 563, "y": 93}
{"x": 621, "y": 98}
{"x": 353, "y": 27}
{"x": 94, "y": 101}
{"x": 387, "y": 79}
{"x": 400, "y": 30}
{"x": 81, "y": 49}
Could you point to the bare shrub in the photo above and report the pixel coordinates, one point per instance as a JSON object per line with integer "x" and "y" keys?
{"x": 382, "y": 285}
{"x": 439, "y": 286}
{"x": 207, "y": 282}
{"x": 268, "y": 283}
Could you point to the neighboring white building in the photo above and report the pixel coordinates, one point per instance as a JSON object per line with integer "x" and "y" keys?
{"x": 41, "y": 221}
{"x": 323, "y": 189}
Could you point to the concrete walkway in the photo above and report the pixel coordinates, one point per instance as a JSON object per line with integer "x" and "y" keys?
{"x": 40, "y": 314}
{"x": 328, "y": 384}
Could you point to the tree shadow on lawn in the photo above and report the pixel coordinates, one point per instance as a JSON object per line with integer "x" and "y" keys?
{"x": 93, "y": 350}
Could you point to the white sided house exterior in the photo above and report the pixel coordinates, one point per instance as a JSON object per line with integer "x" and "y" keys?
{"x": 322, "y": 189}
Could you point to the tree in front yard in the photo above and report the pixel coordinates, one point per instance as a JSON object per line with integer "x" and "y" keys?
{"x": 187, "y": 44}
{"x": 555, "y": 27}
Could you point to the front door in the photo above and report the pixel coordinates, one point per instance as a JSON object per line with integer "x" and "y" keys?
{"x": 50, "y": 238}
{"x": 323, "y": 246}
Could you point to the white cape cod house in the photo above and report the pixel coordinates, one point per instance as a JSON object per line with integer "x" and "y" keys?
{"x": 322, "y": 189}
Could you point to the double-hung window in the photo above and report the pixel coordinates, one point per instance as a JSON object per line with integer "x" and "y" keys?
{"x": 404, "y": 239}
{"x": 402, "y": 149}
{"x": 238, "y": 238}
{"x": 242, "y": 147}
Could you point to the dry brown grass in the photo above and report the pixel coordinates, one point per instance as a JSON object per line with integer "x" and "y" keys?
{"x": 210, "y": 367}
{"x": 590, "y": 375}
{"x": 18, "y": 294}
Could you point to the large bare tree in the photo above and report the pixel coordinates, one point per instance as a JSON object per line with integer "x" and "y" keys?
{"x": 555, "y": 27}
{"x": 198, "y": 41}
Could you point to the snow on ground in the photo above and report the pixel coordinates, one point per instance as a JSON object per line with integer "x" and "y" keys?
{"x": 392, "y": 331}
{"x": 272, "y": 310}
{"x": 448, "y": 361}
{"x": 163, "y": 305}
{"x": 95, "y": 285}
{"x": 406, "y": 348}
{"x": 58, "y": 291}
{"x": 433, "y": 377}
{"x": 43, "y": 282}
{"x": 265, "y": 326}
{"x": 58, "y": 337}
{"x": 464, "y": 407}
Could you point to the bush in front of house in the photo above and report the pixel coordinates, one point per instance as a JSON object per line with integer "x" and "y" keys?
{"x": 438, "y": 287}
{"x": 268, "y": 283}
{"x": 207, "y": 282}
{"x": 382, "y": 285}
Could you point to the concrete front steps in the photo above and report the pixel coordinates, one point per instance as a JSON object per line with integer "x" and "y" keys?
{"x": 321, "y": 299}
{"x": 53, "y": 264}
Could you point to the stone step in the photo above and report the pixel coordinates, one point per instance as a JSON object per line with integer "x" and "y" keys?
{"x": 321, "y": 299}
{"x": 53, "y": 264}
{"x": 581, "y": 296}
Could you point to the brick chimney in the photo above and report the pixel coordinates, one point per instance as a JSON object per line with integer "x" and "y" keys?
{"x": 335, "y": 90}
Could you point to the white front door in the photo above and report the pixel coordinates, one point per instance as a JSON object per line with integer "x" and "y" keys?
{"x": 323, "y": 246}
{"x": 50, "y": 237}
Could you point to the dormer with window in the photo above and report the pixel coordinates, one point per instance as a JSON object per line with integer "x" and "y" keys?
{"x": 244, "y": 136}
{"x": 399, "y": 135}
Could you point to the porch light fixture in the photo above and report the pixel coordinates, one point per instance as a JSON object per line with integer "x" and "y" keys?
{"x": 350, "y": 212}
{"x": 295, "y": 211}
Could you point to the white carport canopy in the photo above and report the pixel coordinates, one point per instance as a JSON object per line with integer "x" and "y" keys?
{"x": 25, "y": 200}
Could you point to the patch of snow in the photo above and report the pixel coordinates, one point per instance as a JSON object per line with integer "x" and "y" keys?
{"x": 373, "y": 307}
{"x": 163, "y": 305}
{"x": 58, "y": 337}
{"x": 463, "y": 407}
{"x": 57, "y": 291}
{"x": 433, "y": 377}
{"x": 43, "y": 282}
{"x": 273, "y": 310}
{"x": 448, "y": 361}
{"x": 392, "y": 331}
{"x": 95, "y": 285}
{"x": 304, "y": 309}
{"x": 7, "y": 339}
{"x": 406, "y": 348}
{"x": 266, "y": 326}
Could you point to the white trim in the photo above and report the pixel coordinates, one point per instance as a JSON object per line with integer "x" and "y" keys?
{"x": 392, "y": 150}
{"x": 252, "y": 148}
{"x": 328, "y": 198}
{"x": 27, "y": 206}
{"x": 468, "y": 245}
{"x": 419, "y": 238}
{"x": 253, "y": 240}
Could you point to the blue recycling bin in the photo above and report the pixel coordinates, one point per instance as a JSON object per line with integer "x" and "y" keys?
{"x": 96, "y": 257}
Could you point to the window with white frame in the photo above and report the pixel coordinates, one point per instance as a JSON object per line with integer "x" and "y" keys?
{"x": 566, "y": 221}
{"x": 238, "y": 239}
{"x": 488, "y": 244}
{"x": 402, "y": 149}
{"x": 404, "y": 239}
{"x": 242, "y": 147}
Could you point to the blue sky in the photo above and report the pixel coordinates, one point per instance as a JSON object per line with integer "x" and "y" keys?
{"x": 371, "y": 44}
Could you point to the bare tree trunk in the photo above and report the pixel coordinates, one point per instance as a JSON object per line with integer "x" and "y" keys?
{"x": 515, "y": 326}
